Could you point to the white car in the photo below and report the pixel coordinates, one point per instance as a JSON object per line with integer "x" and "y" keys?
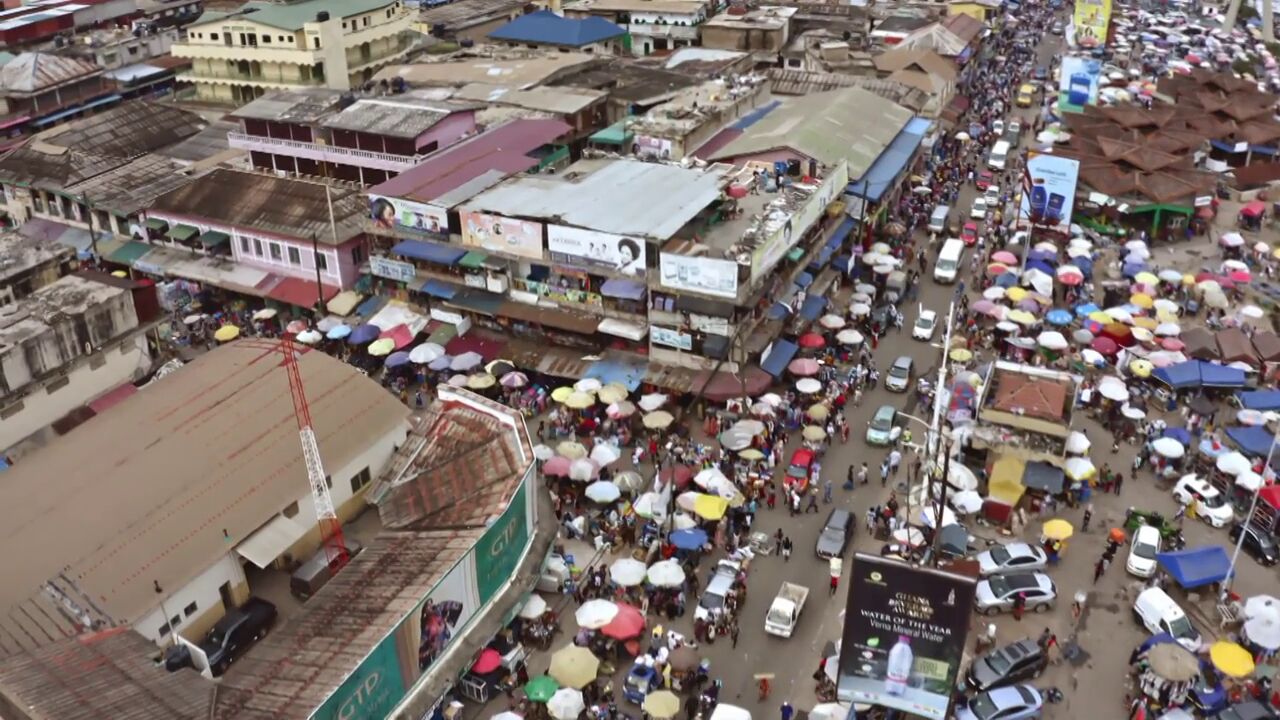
{"x": 925, "y": 325}
{"x": 1142, "y": 551}
{"x": 979, "y": 209}
{"x": 992, "y": 196}
{"x": 1014, "y": 557}
{"x": 1208, "y": 504}
{"x": 997, "y": 127}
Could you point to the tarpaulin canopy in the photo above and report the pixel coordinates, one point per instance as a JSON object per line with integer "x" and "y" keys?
{"x": 1196, "y": 567}
{"x": 622, "y": 288}
{"x": 1220, "y": 376}
{"x": 814, "y": 305}
{"x": 618, "y": 370}
{"x": 1260, "y": 399}
{"x": 1006, "y": 480}
{"x": 1180, "y": 376}
{"x": 1234, "y": 346}
{"x": 431, "y": 252}
{"x": 779, "y": 355}
{"x": 1267, "y": 345}
{"x": 1044, "y": 477}
{"x": 1252, "y": 440}
{"x": 1200, "y": 343}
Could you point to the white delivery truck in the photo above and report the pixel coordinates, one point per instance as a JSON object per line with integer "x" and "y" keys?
{"x": 784, "y": 613}
{"x": 999, "y": 155}
{"x": 947, "y": 266}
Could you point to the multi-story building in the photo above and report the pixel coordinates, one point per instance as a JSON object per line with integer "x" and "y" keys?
{"x": 38, "y": 90}
{"x": 653, "y": 26}
{"x": 337, "y": 44}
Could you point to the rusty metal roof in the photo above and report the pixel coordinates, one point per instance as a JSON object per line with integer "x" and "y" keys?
{"x": 35, "y": 72}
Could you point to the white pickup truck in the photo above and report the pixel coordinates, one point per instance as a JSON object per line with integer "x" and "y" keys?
{"x": 784, "y": 613}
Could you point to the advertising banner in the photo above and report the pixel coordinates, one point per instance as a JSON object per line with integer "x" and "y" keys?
{"x": 502, "y": 545}
{"x": 670, "y": 338}
{"x": 784, "y": 238}
{"x": 1048, "y": 192}
{"x": 391, "y": 213}
{"x": 392, "y": 269}
{"x": 646, "y": 146}
{"x": 500, "y": 234}
{"x": 575, "y": 246}
{"x": 699, "y": 274}
{"x": 1078, "y": 80}
{"x": 904, "y": 636}
{"x": 1091, "y": 20}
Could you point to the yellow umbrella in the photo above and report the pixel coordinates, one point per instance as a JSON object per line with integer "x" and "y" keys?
{"x": 381, "y": 347}
{"x": 1231, "y": 659}
{"x": 661, "y": 704}
{"x": 1166, "y": 316}
{"x": 961, "y": 355}
{"x": 1016, "y": 294}
{"x": 1141, "y": 368}
{"x": 1188, "y": 279}
{"x": 1146, "y": 323}
{"x": 751, "y": 454}
{"x": 819, "y": 412}
{"x": 561, "y": 394}
{"x": 658, "y": 420}
{"x": 226, "y": 333}
{"x": 481, "y": 381}
{"x": 574, "y": 666}
{"x": 579, "y": 400}
{"x": 1099, "y": 316}
{"x": 611, "y": 393}
{"x": 571, "y": 449}
{"x": 120, "y": 274}
{"x": 813, "y": 433}
{"x": 1022, "y": 317}
{"x": 1041, "y": 299}
{"x": 1274, "y": 254}
{"x": 1142, "y": 300}
{"x": 1146, "y": 278}
{"x": 710, "y": 507}
{"x": 1057, "y": 529}
{"x": 1142, "y": 334}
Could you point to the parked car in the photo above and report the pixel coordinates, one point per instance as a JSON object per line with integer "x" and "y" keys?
{"x": 992, "y": 194}
{"x": 236, "y": 632}
{"x": 1040, "y": 73}
{"x": 898, "y": 379}
{"x": 716, "y": 591}
{"x": 1022, "y": 660}
{"x": 1205, "y": 499}
{"x": 1261, "y": 546}
{"x": 1017, "y": 702}
{"x": 1158, "y": 613}
{"x": 1014, "y": 557}
{"x": 984, "y": 179}
{"x": 979, "y": 209}
{"x": 799, "y": 468}
{"x": 834, "y": 538}
{"x": 1142, "y": 551}
{"x": 1026, "y": 96}
{"x": 880, "y": 429}
{"x": 926, "y": 324}
{"x": 969, "y": 233}
{"x": 1252, "y": 710}
{"x": 998, "y": 592}
{"x": 1057, "y": 28}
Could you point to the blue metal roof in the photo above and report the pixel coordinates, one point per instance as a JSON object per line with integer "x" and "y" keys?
{"x": 755, "y": 116}
{"x": 547, "y": 28}
{"x": 431, "y": 252}
{"x": 891, "y": 163}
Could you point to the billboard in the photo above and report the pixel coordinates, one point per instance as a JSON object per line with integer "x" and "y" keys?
{"x": 699, "y": 274}
{"x": 575, "y": 246}
{"x": 500, "y": 234}
{"x": 1048, "y": 192}
{"x": 1078, "y": 81}
{"x": 769, "y": 252}
{"x": 398, "y": 270}
{"x": 904, "y": 636}
{"x": 1090, "y": 21}
{"x": 392, "y": 213}
{"x": 647, "y": 146}
{"x": 502, "y": 546}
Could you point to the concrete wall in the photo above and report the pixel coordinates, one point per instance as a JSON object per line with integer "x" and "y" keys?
{"x": 66, "y": 338}
{"x": 203, "y": 592}
{"x": 448, "y": 131}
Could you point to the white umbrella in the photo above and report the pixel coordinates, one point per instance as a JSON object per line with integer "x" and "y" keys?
{"x": 265, "y": 314}
{"x": 1249, "y": 481}
{"x": 542, "y": 452}
{"x": 652, "y": 402}
{"x": 1052, "y": 340}
{"x": 773, "y": 399}
{"x": 1132, "y": 412}
{"x": 808, "y": 386}
{"x": 1261, "y": 605}
{"x": 961, "y": 477}
{"x": 588, "y": 385}
{"x": 466, "y": 361}
{"x": 833, "y": 322}
{"x": 1113, "y": 388}
{"x": 681, "y": 521}
{"x": 749, "y": 426}
{"x": 507, "y": 715}
{"x": 425, "y": 353}
{"x": 1253, "y": 312}
{"x": 603, "y": 491}
{"x": 627, "y": 572}
{"x": 966, "y": 502}
{"x": 709, "y": 476}
{"x": 1231, "y": 239}
{"x": 309, "y": 337}
{"x": 566, "y": 704}
{"x": 1168, "y": 447}
{"x": 582, "y": 470}
{"x": 595, "y": 614}
{"x": 1233, "y": 463}
{"x": 605, "y": 454}
{"x": 908, "y": 536}
{"x": 859, "y": 309}
{"x": 1077, "y": 443}
{"x": 666, "y": 573}
{"x": 1262, "y": 626}
{"x": 928, "y": 517}
{"x": 651, "y": 505}
{"x": 1170, "y": 275}
{"x": 995, "y": 292}
{"x": 849, "y": 337}
{"x": 628, "y": 481}
{"x": 1079, "y": 468}
{"x": 533, "y": 608}
{"x": 1168, "y": 329}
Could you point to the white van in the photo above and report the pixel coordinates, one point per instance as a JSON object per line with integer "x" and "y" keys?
{"x": 1158, "y": 613}
{"x": 938, "y": 219}
{"x": 948, "y": 264}
{"x": 999, "y": 155}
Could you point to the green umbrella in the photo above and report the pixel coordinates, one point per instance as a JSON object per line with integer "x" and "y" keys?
{"x": 541, "y": 688}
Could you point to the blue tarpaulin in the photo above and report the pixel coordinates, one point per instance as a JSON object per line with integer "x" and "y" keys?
{"x": 891, "y": 163}
{"x": 616, "y": 370}
{"x": 1179, "y": 434}
{"x": 431, "y": 252}
{"x": 1044, "y": 477}
{"x": 1196, "y": 567}
{"x": 813, "y": 306}
{"x": 776, "y": 361}
{"x": 1180, "y": 376}
{"x": 1251, "y": 440}
{"x": 1220, "y": 376}
{"x": 779, "y": 311}
{"x": 1260, "y": 399}
{"x": 440, "y": 289}
{"x": 804, "y": 280}
{"x": 689, "y": 539}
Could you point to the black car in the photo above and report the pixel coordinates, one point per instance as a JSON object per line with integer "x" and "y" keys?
{"x": 1041, "y": 73}
{"x": 1016, "y": 662}
{"x": 236, "y": 631}
{"x": 1261, "y": 546}
{"x": 834, "y": 538}
{"x": 1252, "y": 710}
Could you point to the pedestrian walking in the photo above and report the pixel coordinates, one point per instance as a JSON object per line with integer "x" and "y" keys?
{"x": 848, "y": 481}
{"x": 787, "y": 711}
{"x": 826, "y": 491}
{"x": 813, "y": 502}
{"x": 786, "y": 549}
{"x": 1088, "y": 515}
{"x": 1119, "y": 481}
{"x": 835, "y": 583}
{"x": 733, "y": 632}
{"x": 863, "y": 475}
{"x": 1099, "y": 568}
{"x": 1019, "y": 604}
{"x": 884, "y": 473}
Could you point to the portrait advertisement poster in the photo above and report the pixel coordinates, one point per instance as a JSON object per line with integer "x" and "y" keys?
{"x": 500, "y": 234}
{"x": 904, "y": 636}
{"x": 391, "y": 213}
{"x": 575, "y": 246}
{"x": 646, "y": 146}
{"x": 1091, "y": 20}
{"x": 699, "y": 274}
{"x": 1049, "y": 191}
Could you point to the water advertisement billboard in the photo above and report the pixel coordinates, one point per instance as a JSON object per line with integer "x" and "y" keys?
{"x": 1048, "y": 192}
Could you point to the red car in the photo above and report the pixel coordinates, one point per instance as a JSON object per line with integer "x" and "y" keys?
{"x": 799, "y": 468}
{"x": 985, "y": 179}
{"x": 969, "y": 233}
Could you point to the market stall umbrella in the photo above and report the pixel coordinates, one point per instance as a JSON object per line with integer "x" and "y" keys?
{"x": 566, "y": 704}
{"x": 605, "y": 454}
{"x": 652, "y": 402}
{"x": 1052, "y": 340}
{"x": 557, "y": 467}
{"x": 928, "y": 517}
{"x": 579, "y": 400}
{"x": 859, "y": 309}
{"x": 594, "y": 614}
{"x": 466, "y": 361}
{"x": 226, "y": 333}
{"x": 966, "y": 502}
{"x": 658, "y": 420}
{"x": 561, "y": 394}
{"x": 689, "y": 539}
{"x": 627, "y": 624}
{"x": 1173, "y": 662}
{"x": 1022, "y": 317}
{"x": 1059, "y": 316}
{"x": 679, "y": 475}
{"x": 849, "y": 337}
{"x": 481, "y": 381}
{"x": 295, "y": 327}
{"x": 813, "y": 433}
{"x": 1113, "y": 388}
{"x": 709, "y": 477}
{"x": 1168, "y": 447}
{"x": 1069, "y": 275}
{"x": 1057, "y": 529}
{"x": 627, "y": 572}
{"x": 588, "y": 385}
{"x": 993, "y": 293}
{"x": 533, "y": 608}
{"x": 499, "y": 367}
{"x": 612, "y": 393}
{"x": 961, "y": 477}
{"x": 661, "y": 704}
{"x": 818, "y": 411}
{"x": 1233, "y": 463}
{"x": 488, "y": 661}
{"x": 1004, "y": 256}
{"x": 337, "y": 332}
{"x": 583, "y": 470}
{"x": 960, "y": 355}
{"x": 707, "y": 507}
{"x": 507, "y": 715}
{"x": 543, "y": 452}
{"x": 808, "y": 386}
{"x": 831, "y": 322}
{"x": 1104, "y": 346}
{"x": 1262, "y": 622}
{"x": 1077, "y": 443}
{"x": 811, "y": 340}
{"x": 603, "y": 492}
{"x": 629, "y": 481}
{"x": 1079, "y": 468}
{"x": 666, "y": 573}
{"x": 650, "y": 505}
{"x": 804, "y": 367}
{"x": 1231, "y": 659}
{"x": 440, "y": 363}
{"x": 541, "y": 689}
{"x": 514, "y": 379}
{"x": 381, "y": 347}
{"x": 909, "y": 536}
{"x": 751, "y": 454}
{"x": 1141, "y": 368}
{"x": 1131, "y": 412}
{"x": 571, "y": 449}
{"x": 311, "y": 337}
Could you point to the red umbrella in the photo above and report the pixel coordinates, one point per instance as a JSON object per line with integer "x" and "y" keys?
{"x": 557, "y": 466}
{"x": 628, "y": 623}
{"x": 1006, "y": 257}
{"x": 1118, "y": 332}
{"x": 811, "y": 340}
{"x": 1173, "y": 344}
{"x": 488, "y": 661}
{"x": 804, "y": 367}
{"x": 682, "y": 473}
{"x": 1105, "y": 345}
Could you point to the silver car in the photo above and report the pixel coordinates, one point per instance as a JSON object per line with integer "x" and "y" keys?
{"x": 998, "y": 592}
{"x": 898, "y": 379}
{"x": 1014, "y": 557}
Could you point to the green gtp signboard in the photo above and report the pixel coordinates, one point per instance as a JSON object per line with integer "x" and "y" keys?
{"x": 372, "y": 692}
{"x": 499, "y": 550}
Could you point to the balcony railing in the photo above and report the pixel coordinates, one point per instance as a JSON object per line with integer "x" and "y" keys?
{"x": 324, "y": 153}
{"x": 222, "y": 74}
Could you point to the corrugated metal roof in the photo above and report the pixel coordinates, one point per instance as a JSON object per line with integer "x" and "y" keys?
{"x": 402, "y": 116}
{"x": 36, "y": 71}
{"x": 132, "y": 186}
{"x": 627, "y": 197}
{"x": 559, "y": 100}
{"x": 299, "y": 106}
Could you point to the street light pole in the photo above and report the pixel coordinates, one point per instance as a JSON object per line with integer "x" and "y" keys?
{"x": 1253, "y": 505}
{"x": 934, "y": 442}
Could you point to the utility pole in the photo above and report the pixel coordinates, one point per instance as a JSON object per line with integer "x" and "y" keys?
{"x": 1253, "y": 505}
{"x": 934, "y": 443}
{"x": 1233, "y": 12}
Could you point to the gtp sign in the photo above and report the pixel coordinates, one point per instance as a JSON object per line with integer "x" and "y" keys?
{"x": 372, "y": 691}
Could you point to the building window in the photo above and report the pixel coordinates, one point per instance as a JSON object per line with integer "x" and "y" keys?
{"x": 257, "y": 247}
{"x": 12, "y": 410}
{"x": 357, "y": 254}
{"x": 213, "y": 37}
{"x": 57, "y": 385}
{"x": 164, "y": 630}
{"x": 244, "y": 245}
{"x": 266, "y": 39}
{"x": 360, "y": 480}
{"x": 365, "y": 21}
{"x": 189, "y": 610}
{"x": 316, "y": 42}
{"x": 295, "y": 257}
{"x": 344, "y": 24}
{"x": 291, "y": 510}
{"x": 322, "y": 262}
{"x": 275, "y": 251}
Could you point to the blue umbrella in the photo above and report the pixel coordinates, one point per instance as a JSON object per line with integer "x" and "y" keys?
{"x": 396, "y": 359}
{"x": 441, "y": 363}
{"x": 337, "y": 332}
{"x": 1131, "y": 269}
{"x": 1040, "y": 265}
{"x": 1059, "y": 316}
{"x": 364, "y": 334}
{"x": 1158, "y": 639}
{"x": 1043, "y": 255}
{"x": 1007, "y": 280}
{"x": 1084, "y": 310}
{"x": 691, "y": 539}
{"x": 1085, "y": 265}
{"x": 1179, "y": 434}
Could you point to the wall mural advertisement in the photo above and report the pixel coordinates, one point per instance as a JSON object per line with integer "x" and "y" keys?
{"x": 768, "y": 253}
{"x": 392, "y": 213}
{"x": 575, "y": 246}
{"x": 699, "y": 274}
{"x": 1049, "y": 191}
{"x": 499, "y": 234}
{"x": 646, "y": 146}
{"x": 904, "y": 636}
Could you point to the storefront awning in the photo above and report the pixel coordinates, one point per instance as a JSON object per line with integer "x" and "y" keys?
{"x": 549, "y": 317}
{"x": 156, "y": 224}
{"x": 622, "y": 370}
{"x": 440, "y": 289}
{"x": 344, "y": 302}
{"x": 474, "y": 259}
{"x": 129, "y": 253}
{"x": 622, "y": 288}
{"x": 430, "y": 252}
{"x": 300, "y": 293}
{"x": 182, "y": 233}
{"x": 814, "y": 306}
{"x": 213, "y": 238}
{"x": 623, "y": 329}
{"x": 271, "y": 541}
{"x": 443, "y": 334}
{"x": 779, "y": 355}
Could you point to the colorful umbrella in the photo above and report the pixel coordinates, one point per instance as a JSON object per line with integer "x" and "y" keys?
{"x": 541, "y": 688}
{"x": 658, "y": 420}
{"x": 612, "y": 393}
{"x": 627, "y": 624}
{"x": 804, "y": 367}
{"x": 488, "y": 661}
{"x": 381, "y": 347}
{"x": 811, "y": 340}
{"x": 592, "y": 614}
{"x": 226, "y": 333}
{"x": 661, "y": 704}
{"x": 1057, "y": 529}
{"x": 1231, "y": 659}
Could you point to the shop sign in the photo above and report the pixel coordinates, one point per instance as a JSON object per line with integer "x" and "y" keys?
{"x": 556, "y": 293}
{"x": 397, "y": 270}
{"x": 670, "y": 338}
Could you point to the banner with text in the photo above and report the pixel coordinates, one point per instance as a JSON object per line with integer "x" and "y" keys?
{"x": 392, "y": 213}
{"x": 500, "y": 234}
{"x": 576, "y": 246}
{"x": 1090, "y": 20}
{"x": 699, "y": 274}
{"x": 1049, "y": 192}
